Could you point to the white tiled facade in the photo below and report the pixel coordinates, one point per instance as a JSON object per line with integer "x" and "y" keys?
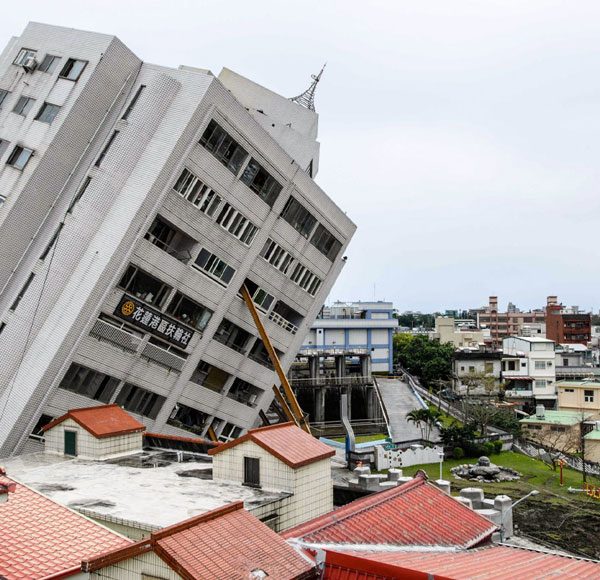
{"x": 90, "y": 447}
{"x": 142, "y": 567}
{"x": 51, "y": 300}
{"x": 311, "y": 485}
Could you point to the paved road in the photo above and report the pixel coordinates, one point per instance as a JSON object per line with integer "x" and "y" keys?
{"x": 399, "y": 399}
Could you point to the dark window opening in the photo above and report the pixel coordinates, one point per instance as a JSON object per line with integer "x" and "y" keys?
{"x": 19, "y": 157}
{"x": 261, "y": 182}
{"x": 261, "y": 297}
{"x": 133, "y": 102}
{"x": 259, "y": 354}
{"x": 326, "y": 243}
{"x": 140, "y": 401}
{"x": 52, "y": 242}
{"x": 72, "y": 69}
{"x": 23, "y": 106}
{"x": 216, "y": 140}
{"x": 252, "y": 471}
{"x": 49, "y": 63}
{"x": 171, "y": 240}
{"x": 89, "y": 383}
{"x": 232, "y": 336}
{"x": 188, "y": 418}
{"x": 209, "y": 377}
{"x": 79, "y": 194}
{"x": 42, "y": 422}
{"x": 295, "y": 214}
{"x": 243, "y": 392}
{"x": 144, "y": 286}
{"x": 47, "y": 113}
{"x": 22, "y": 293}
{"x": 189, "y": 312}
{"x": 106, "y": 148}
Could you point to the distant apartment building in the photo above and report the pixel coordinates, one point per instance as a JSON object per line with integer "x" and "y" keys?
{"x": 462, "y": 334}
{"x": 579, "y": 396}
{"x": 513, "y": 322}
{"x": 468, "y": 364}
{"x": 357, "y": 327}
{"x": 136, "y": 201}
{"x": 528, "y": 370}
{"x": 567, "y": 325}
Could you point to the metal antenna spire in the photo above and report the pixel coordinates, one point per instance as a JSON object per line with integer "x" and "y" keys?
{"x": 307, "y": 98}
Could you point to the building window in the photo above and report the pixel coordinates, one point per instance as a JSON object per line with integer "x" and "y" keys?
{"x": 3, "y": 146}
{"x": 133, "y": 103}
{"x": 25, "y": 54}
{"x": 106, "y": 148}
{"x": 243, "y": 392}
{"x": 2, "y": 200}
{"x": 230, "y": 431}
{"x": 3, "y": 95}
{"x": 261, "y": 297}
{"x": 224, "y": 147}
{"x": 215, "y": 267}
{"x": 540, "y": 365}
{"x": 252, "y": 471}
{"x": 326, "y": 243}
{"x": 144, "y": 286}
{"x": 236, "y": 224}
{"x": 79, "y": 194}
{"x": 196, "y": 192}
{"x": 49, "y": 63}
{"x": 51, "y": 242}
{"x": 72, "y": 69}
{"x": 273, "y": 253}
{"x": 259, "y": 354}
{"x": 47, "y": 113}
{"x": 189, "y": 312}
{"x": 295, "y": 214}
{"x": 541, "y": 384}
{"x": 232, "y": 335}
{"x": 569, "y": 390}
{"x": 89, "y": 383}
{"x": 23, "y": 106}
{"x": 140, "y": 401}
{"x": 188, "y": 418}
{"x": 261, "y": 182}
{"x": 209, "y": 377}
{"x": 2, "y": 327}
{"x": 171, "y": 240}
{"x": 588, "y": 396}
{"x": 306, "y": 279}
{"x": 22, "y": 293}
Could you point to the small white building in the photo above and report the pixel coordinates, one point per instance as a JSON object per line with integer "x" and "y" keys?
{"x": 282, "y": 458}
{"x": 528, "y": 369}
{"x": 96, "y": 433}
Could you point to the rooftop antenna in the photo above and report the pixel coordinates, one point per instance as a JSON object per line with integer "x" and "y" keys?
{"x": 307, "y": 98}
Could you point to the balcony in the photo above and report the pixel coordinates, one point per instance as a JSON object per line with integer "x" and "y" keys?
{"x": 171, "y": 240}
{"x": 163, "y": 356}
{"x": 281, "y": 321}
{"x": 116, "y": 334}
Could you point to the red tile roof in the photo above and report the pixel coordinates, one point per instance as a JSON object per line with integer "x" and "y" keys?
{"x": 40, "y": 538}
{"x": 226, "y": 543}
{"x": 415, "y": 513}
{"x": 101, "y": 421}
{"x": 490, "y": 563}
{"x": 285, "y": 441}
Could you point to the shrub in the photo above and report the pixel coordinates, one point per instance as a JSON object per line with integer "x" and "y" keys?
{"x": 458, "y": 453}
{"x": 489, "y": 447}
{"x": 497, "y": 446}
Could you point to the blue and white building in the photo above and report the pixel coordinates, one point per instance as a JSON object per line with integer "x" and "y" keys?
{"x": 355, "y": 327}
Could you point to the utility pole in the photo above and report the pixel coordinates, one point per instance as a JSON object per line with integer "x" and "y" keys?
{"x": 583, "y": 434}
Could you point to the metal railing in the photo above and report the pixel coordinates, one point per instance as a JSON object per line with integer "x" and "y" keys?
{"x": 163, "y": 357}
{"x": 105, "y": 331}
{"x": 350, "y": 380}
{"x": 281, "y": 321}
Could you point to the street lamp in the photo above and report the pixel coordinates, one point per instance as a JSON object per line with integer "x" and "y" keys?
{"x": 441, "y": 456}
{"x": 509, "y": 510}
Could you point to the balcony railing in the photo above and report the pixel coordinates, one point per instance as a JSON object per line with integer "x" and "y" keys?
{"x": 516, "y": 394}
{"x": 350, "y": 380}
{"x": 122, "y": 338}
{"x": 281, "y": 321}
{"x": 163, "y": 357}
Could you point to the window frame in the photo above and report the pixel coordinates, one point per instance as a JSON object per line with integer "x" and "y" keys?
{"x": 23, "y": 54}
{"x": 23, "y": 105}
{"x": 46, "y": 106}
{"x": 72, "y": 62}
{"x": 51, "y": 66}
{"x": 211, "y": 266}
{"x": 16, "y": 154}
{"x": 3, "y": 96}
{"x": 251, "y": 469}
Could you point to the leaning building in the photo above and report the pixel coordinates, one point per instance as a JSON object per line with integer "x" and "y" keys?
{"x": 136, "y": 200}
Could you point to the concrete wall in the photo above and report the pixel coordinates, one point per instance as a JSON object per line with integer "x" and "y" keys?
{"x": 90, "y": 447}
{"x": 571, "y": 396}
{"x": 311, "y": 485}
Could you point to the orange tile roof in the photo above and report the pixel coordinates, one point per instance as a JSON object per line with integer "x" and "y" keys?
{"x": 489, "y": 563}
{"x": 416, "y": 513}
{"x": 40, "y": 538}
{"x": 285, "y": 441}
{"x": 226, "y": 543}
{"x": 101, "y": 421}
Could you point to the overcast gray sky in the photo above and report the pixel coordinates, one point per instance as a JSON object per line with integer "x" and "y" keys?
{"x": 461, "y": 137}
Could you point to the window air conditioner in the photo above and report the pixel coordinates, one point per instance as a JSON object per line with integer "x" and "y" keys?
{"x": 29, "y": 64}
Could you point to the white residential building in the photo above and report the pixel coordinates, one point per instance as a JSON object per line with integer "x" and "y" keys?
{"x": 137, "y": 200}
{"x": 528, "y": 369}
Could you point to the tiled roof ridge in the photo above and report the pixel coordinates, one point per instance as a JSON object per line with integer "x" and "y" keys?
{"x": 539, "y": 551}
{"x": 370, "y": 502}
{"x": 151, "y": 543}
{"x": 68, "y": 414}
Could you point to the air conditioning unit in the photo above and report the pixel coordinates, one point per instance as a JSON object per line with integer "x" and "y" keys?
{"x": 29, "y": 63}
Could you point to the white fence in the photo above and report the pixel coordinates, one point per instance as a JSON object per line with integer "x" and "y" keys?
{"x": 387, "y": 458}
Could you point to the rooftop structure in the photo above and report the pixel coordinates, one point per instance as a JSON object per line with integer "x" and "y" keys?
{"x": 398, "y": 517}
{"x": 567, "y": 325}
{"x": 136, "y": 201}
{"x": 43, "y": 539}
{"x": 224, "y": 543}
{"x": 489, "y": 563}
{"x": 447, "y": 330}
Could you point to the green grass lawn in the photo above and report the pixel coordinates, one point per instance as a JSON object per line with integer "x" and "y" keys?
{"x": 363, "y": 438}
{"x": 535, "y": 475}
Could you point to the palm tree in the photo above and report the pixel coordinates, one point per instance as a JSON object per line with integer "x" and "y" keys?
{"x": 417, "y": 417}
{"x": 425, "y": 419}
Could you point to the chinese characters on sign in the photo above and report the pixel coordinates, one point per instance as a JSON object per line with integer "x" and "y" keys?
{"x": 140, "y": 315}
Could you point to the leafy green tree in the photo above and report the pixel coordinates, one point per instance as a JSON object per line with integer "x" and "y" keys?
{"x": 428, "y": 359}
